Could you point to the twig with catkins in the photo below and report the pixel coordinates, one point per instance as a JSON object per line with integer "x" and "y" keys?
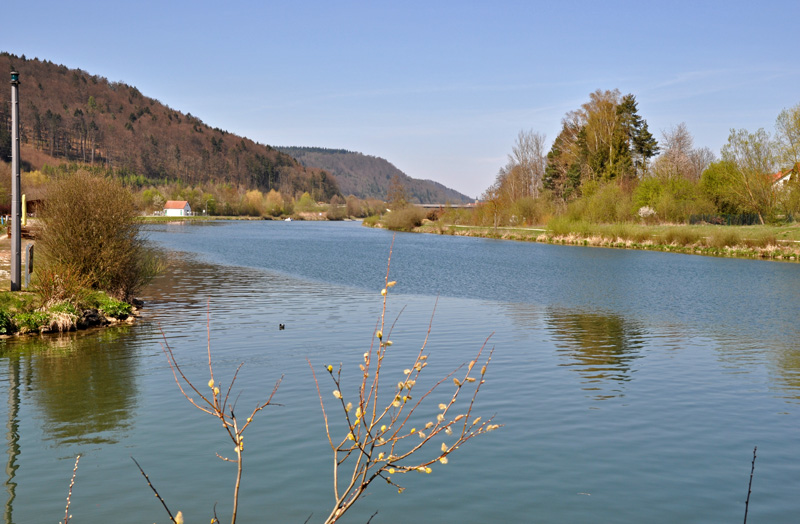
{"x": 67, "y": 516}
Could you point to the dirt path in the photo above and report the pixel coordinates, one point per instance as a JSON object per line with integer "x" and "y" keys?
{"x": 5, "y": 262}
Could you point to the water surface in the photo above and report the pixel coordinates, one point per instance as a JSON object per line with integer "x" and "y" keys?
{"x": 633, "y": 386}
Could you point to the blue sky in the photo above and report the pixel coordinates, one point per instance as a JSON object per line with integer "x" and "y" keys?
{"x": 440, "y": 89}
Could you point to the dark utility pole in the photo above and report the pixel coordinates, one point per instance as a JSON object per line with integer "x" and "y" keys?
{"x": 16, "y": 203}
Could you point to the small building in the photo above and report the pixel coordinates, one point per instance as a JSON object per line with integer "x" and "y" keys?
{"x": 782, "y": 177}
{"x": 177, "y": 208}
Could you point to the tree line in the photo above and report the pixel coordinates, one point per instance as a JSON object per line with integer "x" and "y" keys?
{"x": 68, "y": 115}
{"x": 606, "y": 166}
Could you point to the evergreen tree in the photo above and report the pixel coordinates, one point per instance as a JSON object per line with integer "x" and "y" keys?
{"x": 640, "y": 142}
{"x": 5, "y": 135}
{"x": 562, "y": 175}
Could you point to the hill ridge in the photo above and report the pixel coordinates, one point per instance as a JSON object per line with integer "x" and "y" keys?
{"x": 369, "y": 176}
{"x": 69, "y": 115}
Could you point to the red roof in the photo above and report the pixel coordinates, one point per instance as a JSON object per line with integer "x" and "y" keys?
{"x": 781, "y": 174}
{"x": 176, "y": 204}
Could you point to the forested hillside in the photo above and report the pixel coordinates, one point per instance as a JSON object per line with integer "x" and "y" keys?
{"x": 69, "y": 115}
{"x": 369, "y": 177}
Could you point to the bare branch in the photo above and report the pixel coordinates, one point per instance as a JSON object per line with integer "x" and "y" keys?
{"x": 154, "y": 490}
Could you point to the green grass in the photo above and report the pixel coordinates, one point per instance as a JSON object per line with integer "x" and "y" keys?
{"x": 31, "y": 322}
{"x": 157, "y": 219}
{"x": 770, "y": 241}
{"x": 111, "y": 307}
{"x": 17, "y": 302}
{"x": 684, "y": 235}
{"x": 371, "y": 221}
{"x": 22, "y": 311}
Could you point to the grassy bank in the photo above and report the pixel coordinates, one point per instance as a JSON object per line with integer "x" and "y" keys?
{"x": 28, "y": 312}
{"x": 296, "y": 216}
{"x": 24, "y": 313}
{"x": 157, "y": 219}
{"x": 767, "y": 242}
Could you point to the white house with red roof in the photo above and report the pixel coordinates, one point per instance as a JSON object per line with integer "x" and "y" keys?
{"x": 782, "y": 177}
{"x": 177, "y": 208}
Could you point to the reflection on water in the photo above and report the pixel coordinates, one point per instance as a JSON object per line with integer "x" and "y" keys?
{"x": 83, "y": 383}
{"x": 787, "y": 364}
{"x": 12, "y": 436}
{"x": 572, "y": 328}
{"x": 601, "y": 347}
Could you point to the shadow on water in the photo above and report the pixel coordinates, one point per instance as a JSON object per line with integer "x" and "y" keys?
{"x": 601, "y": 347}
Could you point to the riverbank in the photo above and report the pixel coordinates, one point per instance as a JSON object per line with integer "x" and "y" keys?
{"x": 21, "y": 312}
{"x": 763, "y": 242}
{"x": 303, "y": 216}
{"x": 197, "y": 218}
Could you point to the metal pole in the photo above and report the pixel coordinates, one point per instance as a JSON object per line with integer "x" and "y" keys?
{"x": 16, "y": 204}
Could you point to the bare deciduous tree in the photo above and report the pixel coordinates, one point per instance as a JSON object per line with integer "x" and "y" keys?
{"x": 752, "y": 158}
{"x": 787, "y": 131}
{"x": 529, "y": 154}
{"x": 679, "y": 158}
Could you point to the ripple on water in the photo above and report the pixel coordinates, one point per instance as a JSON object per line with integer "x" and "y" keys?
{"x": 632, "y": 386}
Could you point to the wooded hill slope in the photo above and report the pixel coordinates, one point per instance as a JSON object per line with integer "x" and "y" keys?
{"x": 369, "y": 177}
{"x": 69, "y": 115}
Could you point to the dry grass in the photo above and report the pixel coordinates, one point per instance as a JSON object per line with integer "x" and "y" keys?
{"x": 770, "y": 242}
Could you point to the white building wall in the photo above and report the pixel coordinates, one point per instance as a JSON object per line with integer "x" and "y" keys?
{"x": 186, "y": 211}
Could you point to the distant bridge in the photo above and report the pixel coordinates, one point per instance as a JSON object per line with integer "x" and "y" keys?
{"x": 456, "y": 206}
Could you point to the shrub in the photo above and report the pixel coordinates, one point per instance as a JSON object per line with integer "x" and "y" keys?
{"x": 681, "y": 236}
{"x": 336, "y": 209}
{"x": 458, "y": 216}
{"x": 273, "y": 203}
{"x": 434, "y": 214}
{"x": 67, "y": 284}
{"x": 253, "y": 203}
{"x": 724, "y": 237}
{"x": 531, "y": 211}
{"x": 404, "y": 219}
{"x": 605, "y": 204}
{"x": 305, "y": 204}
{"x": 354, "y": 208}
{"x": 371, "y": 221}
{"x": 715, "y": 183}
{"x": 90, "y": 226}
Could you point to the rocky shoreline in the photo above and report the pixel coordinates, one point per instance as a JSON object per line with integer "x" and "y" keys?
{"x": 63, "y": 322}
{"x": 785, "y": 251}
